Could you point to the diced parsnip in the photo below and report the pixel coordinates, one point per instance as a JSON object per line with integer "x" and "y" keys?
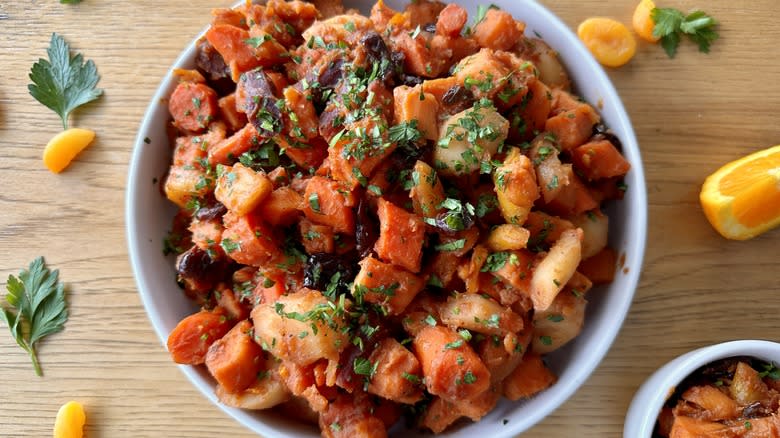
{"x": 595, "y": 229}
{"x": 413, "y": 105}
{"x": 452, "y": 370}
{"x": 287, "y": 328}
{"x": 559, "y": 324}
{"x": 241, "y": 189}
{"x": 717, "y": 405}
{"x": 267, "y": 391}
{"x": 184, "y": 184}
{"x": 469, "y": 271}
{"x": 427, "y": 193}
{"x": 556, "y": 268}
{"x": 747, "y": 386}
{"x": 550, "y": 173}
{"x": 551, "y": 71}
{"x": 480, "y": 314}
{"x": 530, "y": 377}
{"x": 507, "y": 237}
{"x": 468, "y": 138}
{"x": 515, "y": 187}
{"x": 398, "y": 374}
{"x": 387, "y": 285}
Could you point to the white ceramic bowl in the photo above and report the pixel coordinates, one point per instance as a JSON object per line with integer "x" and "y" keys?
{"x": 647, "y": 403}
{"x": 148, "y": 217}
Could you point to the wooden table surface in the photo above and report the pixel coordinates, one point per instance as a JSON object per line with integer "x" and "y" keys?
{"x": 691, "y": 115}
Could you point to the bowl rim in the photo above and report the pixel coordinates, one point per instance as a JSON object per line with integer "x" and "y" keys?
{"x": 562, "y": 390}
{"x": 649, "y": 399}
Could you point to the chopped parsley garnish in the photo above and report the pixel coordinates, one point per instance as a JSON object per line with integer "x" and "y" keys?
{"x": 314, "y": 202}
{"x": 451, "y": 246}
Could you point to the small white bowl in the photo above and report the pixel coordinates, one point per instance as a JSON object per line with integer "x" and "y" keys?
{"x": 650, "y": 398}
{"x": 148, "y": 217}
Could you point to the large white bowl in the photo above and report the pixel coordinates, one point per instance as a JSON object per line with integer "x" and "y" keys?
{"x": 650, "y": 398}
{"x": 149, "y": 217}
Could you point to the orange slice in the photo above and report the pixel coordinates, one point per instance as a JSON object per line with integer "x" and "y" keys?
{"x": 610, "y": 41}
{"x": 742, "y": 199}
{"x": 64, "y": 147}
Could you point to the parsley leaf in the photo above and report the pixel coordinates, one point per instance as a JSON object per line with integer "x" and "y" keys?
{"x": 404, "y": 132}
{"x": 64, "y": 82}
{"x": 671, "y": 24}
{"x": 35, "y": 307}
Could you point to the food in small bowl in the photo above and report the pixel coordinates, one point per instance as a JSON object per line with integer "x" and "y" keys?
{"x": 388, "y": 214}
{"x": 725, "y": 390}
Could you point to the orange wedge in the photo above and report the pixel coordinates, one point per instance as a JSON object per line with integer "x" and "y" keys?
{"x": 742, "y": 199}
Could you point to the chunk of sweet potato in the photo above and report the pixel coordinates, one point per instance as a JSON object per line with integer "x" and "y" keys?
{"x": 717, "y": 405}
{"x": 574, "y": 127}
{"x": 324, "y": 203}
{"x": 600, "y": 268}
{"x": 413, "y": 104}
{"x": 401, "y": 236}
{"x": 398, "y": 373}
{"x": 529, "y": 378}
{"x": 248, "y": 240}
{"x": 190, "y": 340}
{"x": 452, "y": 370}
{"x": 235, "y": 359}
{"x": 385, "y": 284}
{"x": 600, "y": 159}
{"x": 282, "y": 207}
{"x": 498, "y": 30}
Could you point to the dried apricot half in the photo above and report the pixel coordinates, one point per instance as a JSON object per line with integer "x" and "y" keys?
{"x": 610, "y": 41}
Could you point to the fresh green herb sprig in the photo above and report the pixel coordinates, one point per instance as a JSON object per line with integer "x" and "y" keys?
{"x": 63, "y": 82}
{"x": 671, "y": 24}
{"x": 35, "y": 307}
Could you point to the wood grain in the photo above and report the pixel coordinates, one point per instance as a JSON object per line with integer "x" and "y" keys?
{"x": 691, "y": 115}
